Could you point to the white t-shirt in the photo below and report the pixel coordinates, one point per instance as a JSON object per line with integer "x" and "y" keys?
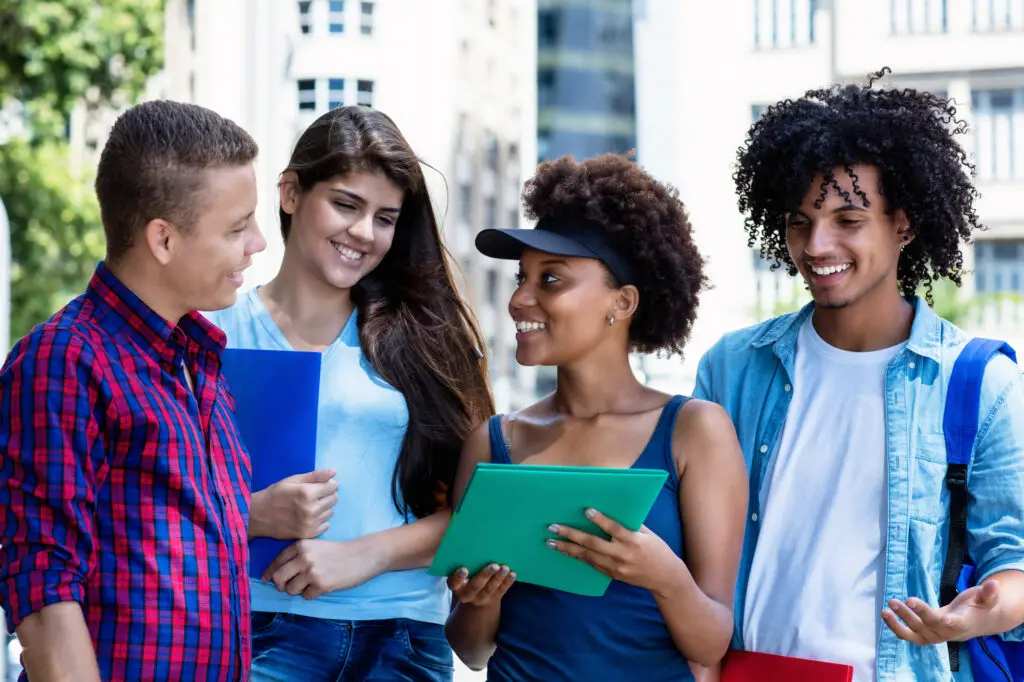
{"x": 816, "y": 582}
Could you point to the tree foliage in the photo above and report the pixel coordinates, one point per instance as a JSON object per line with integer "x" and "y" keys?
{"x": 54, "y": 55}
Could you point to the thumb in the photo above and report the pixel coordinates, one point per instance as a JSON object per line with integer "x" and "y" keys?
{"x": 319, "y": 476}
{"x": 988, "y": 594}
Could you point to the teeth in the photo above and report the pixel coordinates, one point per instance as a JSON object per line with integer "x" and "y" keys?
{"x": 530, "y": 326}
{"x": 347, "y": 252}
{"x": 830, "y": 270}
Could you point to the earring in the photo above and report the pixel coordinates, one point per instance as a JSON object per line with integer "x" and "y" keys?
{"x": 611, "y": 320}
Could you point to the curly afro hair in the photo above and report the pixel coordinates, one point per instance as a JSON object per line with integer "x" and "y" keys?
{"x": 908, "y": 135}
{"x": 646, "y": 223}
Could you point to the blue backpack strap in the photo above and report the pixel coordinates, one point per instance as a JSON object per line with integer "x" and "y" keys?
{"x": 960, "y": 426}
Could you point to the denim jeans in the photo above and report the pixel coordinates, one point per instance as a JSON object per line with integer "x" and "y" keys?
{"x": 287, "y": 647}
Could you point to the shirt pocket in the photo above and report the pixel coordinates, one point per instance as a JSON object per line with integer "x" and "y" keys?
{"x": 929, "y": 498}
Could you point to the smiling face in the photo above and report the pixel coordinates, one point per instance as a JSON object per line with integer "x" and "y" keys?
{"x": 202, "y": 270}
{"x": 845, "y": 248}
{"x": 342, "y": 228}
{"x": 561, "y": 309}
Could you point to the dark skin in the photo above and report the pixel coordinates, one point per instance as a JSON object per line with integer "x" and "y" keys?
{"x": 600, "y": 415}
{"x": 862, "y": 309}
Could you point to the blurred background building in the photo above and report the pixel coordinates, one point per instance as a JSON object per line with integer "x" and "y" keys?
{"x": 484, "y": 89}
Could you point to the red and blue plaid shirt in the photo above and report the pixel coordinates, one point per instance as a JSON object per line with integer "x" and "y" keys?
{"x": 123, "y": 490}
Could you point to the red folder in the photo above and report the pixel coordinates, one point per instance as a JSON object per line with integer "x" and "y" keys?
{"x": 748, "y": 666}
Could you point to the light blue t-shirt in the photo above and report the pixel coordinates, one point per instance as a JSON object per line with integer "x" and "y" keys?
{"x": 362, "y": 421}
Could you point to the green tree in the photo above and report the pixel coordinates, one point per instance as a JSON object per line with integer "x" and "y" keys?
{"x": 55, "y": 54}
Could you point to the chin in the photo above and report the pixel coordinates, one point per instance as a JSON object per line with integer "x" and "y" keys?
{"x": 221, "y": 302}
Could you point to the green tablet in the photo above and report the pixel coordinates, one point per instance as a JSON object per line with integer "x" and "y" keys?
{"x": 505, "y": 512}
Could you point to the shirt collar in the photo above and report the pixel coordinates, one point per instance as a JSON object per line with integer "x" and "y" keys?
{"x": 925, "y": 332}
{"x": 121, "y": 312}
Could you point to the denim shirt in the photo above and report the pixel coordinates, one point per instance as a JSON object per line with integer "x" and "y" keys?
{"x": 749, "y": 373}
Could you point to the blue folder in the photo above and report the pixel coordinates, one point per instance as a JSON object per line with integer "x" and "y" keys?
{"x": 276, "y": 398}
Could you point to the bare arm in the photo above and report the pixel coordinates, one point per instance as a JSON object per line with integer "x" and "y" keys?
{"x": 412, "y": 545}
{"x": 471, "y": 629}
{"x": 57, "y": 646}
{"x": 697, "y": 601}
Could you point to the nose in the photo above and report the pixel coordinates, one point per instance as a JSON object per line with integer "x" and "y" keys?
{"x": 522, "y": 298}
{"x": 362, "y": 229}
{"x": 820, "y": 240}
{"x": 257, "y": 243}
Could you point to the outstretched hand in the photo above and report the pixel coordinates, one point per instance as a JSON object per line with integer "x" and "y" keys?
{"x": 960, "y": 620}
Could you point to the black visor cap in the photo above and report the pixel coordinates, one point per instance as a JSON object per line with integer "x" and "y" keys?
{"x": 559, "y": 237}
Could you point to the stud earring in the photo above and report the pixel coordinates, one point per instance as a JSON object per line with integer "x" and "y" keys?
{"x": 611, "y": 320}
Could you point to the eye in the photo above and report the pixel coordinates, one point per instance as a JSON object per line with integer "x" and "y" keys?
{"x": 548, "y": 278}
{"x": 520, "y": 278}
{"x": 347, "y": 207}
{"x": 386, "y": 219}
{"x": 796, "y": 223}
{"x": 849, "y": 222}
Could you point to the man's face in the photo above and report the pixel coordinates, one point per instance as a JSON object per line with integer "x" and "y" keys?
{"x": 846, "y": 248}
{"x": 206, "y": 269}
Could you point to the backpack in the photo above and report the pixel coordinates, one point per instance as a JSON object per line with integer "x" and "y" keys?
{"x": 992, "y": 659}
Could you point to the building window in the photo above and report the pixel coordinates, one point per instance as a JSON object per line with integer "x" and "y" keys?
{"x": 466, "y": 201}
{"x": 998, "y": 15}
{"x": 336, "y": 16}
{"x": 364, "y": 93}
{"x": 999, "y": 266}
{"x": 305, "y": 16}
{"x": 999, "y": 134}
{"x": 366, "y": 18}
{"x": 757, "y": 111}
{"x": 492, "y": 287}
{"x": 491, "y": 151}
{"x": 335, "y": 93}
{"x": 307, "y": 95}
{"x": 490, "y": 213}
{"x": 549, "y": 26}
{"x": 917, "y": 17}
{"x": 784, "y": 23}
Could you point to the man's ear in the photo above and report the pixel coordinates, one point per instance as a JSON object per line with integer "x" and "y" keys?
{"x": 161, "y": 238}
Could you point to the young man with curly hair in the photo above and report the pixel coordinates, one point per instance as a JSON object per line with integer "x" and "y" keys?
{"x": 866, "y": 194}
{"x": 611, "y": 266}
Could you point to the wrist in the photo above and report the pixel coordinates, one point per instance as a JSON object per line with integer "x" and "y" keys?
{"x": 256, "y": 527}
{"x": 379, "y": 556}
{"x": 674, "y": 583}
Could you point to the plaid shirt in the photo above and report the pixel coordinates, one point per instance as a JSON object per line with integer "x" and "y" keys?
{"x": 123, "y": 490}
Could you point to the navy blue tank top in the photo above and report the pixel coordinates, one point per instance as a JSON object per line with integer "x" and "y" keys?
{"x": 550, "y": 635}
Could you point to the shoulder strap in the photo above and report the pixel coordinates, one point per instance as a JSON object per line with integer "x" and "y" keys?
{"x": 960, "y": 427}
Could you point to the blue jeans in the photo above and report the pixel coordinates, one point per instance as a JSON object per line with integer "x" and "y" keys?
{"x": 287, "y": 647}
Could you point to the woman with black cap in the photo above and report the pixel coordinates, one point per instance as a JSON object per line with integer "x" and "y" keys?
{"x": 610, "y": 268}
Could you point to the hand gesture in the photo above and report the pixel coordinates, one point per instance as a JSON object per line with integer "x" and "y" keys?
{"x": 960, "y": 620}
{"x": 639, "y": 558}
{"x": 486, "y": 588}
{"x": 315, "y": 567}
{"x": 294, "y": 508}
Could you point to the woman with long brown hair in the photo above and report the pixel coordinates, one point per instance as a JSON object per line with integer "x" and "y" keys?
{"x": 364, "y": 281}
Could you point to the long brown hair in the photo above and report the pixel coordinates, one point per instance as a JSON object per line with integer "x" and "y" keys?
{"x": 414, "y": 328}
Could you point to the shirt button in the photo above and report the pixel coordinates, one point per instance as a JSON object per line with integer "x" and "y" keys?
{"x": 753, "y": 517}
{"x": 764, "y": 449}
{"x": 912, "y": 365}
{"x": 787, "y": 388}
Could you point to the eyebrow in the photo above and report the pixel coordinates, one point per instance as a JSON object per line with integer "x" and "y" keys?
{"x": 848, "y": 206}
{"x": 361, "y": 201}
{"x": 245, "y": 218}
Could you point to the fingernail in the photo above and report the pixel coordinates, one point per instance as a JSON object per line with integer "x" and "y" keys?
{"x": 512, "y": 577}
{"x": 464, "y": 572}
{"x": 590, "y": 513}
{"x": 553, "y": 528}
{"x": 504, "y": 570}
{"x": 551, "y": 544}
{"x": 493, "y": 568}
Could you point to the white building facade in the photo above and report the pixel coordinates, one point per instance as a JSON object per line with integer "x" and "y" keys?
{"x": 704, "y": 75}
{"x": 457, "y": 76}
